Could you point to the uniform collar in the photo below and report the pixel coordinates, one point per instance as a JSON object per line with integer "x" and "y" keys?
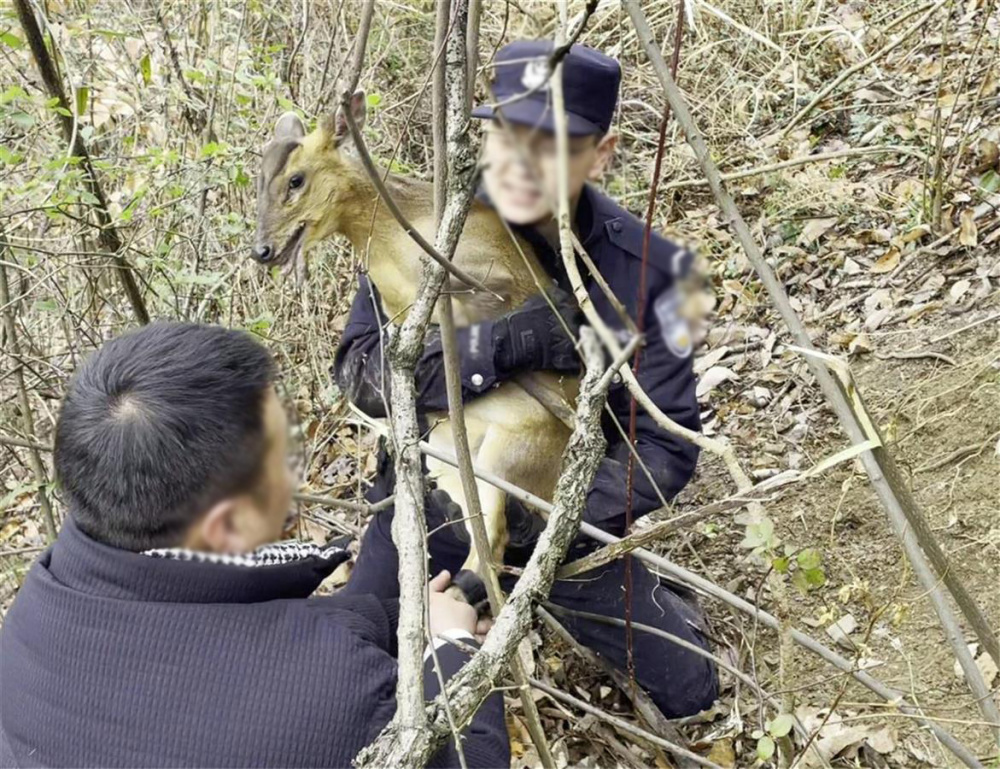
{"x": 83, "y": 564}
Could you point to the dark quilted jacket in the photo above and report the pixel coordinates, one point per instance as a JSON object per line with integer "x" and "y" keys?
{"x": 112, "y": 658}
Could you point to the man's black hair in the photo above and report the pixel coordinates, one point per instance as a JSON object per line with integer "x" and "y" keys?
{"x": 157, "y": 426}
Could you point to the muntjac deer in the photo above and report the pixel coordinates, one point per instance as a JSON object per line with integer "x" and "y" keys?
{"x": 309, "y": 190}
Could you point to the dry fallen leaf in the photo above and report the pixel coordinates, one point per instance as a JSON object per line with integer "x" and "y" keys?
{"x": 887, "y": 263}
{"x": 722, "y": 753}
{"x": 862, "y": 343}
{"x": 959, "y": 290}
{"x": 968, "y": 234}
{"x": 988, "y": 155}
{"x": 713, "y": 378}
{"x": 703, "y": 364}
{"x": 814, "y": 229}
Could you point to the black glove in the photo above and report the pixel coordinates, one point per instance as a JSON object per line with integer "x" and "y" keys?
{"x": 532, "y": 338}
{"x": 442, "y": 508}
{"x": 524, "y": 527}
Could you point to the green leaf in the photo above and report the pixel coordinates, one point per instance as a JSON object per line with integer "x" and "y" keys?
{"x": 82, "y": 96}
{"x": 47, "y": 305}
{"x": 22, "y": 120}
{"x": 260, "y": 325}
{"x": 765, "y": 748}
{"x": 809, "y": 559}
{"x": 815, "y": 577}
{"x": 9, "y": 158}
{"x": 759, "y": 534}
{"x": 781, "y": 725}
{"x": 146, "y": 67}
{"x": 373, "y": 99}
{"x": 211, "y": 149}
{"x": 239, "y": 175}
{"x": 990, "y": 181}
{"x": 780, "y": 565}
{"x": 12, "y": 94}
{"x": 11, "y": 40}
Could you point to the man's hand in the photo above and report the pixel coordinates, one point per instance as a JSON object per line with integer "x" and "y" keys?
{"x": 447, "y": 613}
{"x": 532, "y": 337}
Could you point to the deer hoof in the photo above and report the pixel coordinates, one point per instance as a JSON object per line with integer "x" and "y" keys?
{"x": 469, "y": 587}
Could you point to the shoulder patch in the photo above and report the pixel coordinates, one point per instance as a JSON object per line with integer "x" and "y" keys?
{"x": 673, "y": 327}
{"x": 626, "y": 232}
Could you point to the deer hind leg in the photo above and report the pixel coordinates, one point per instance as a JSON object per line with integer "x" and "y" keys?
{"x": 491, "y": 454}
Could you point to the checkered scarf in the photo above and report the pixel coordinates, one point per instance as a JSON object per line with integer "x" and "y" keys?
{"x": 275, "y": 554}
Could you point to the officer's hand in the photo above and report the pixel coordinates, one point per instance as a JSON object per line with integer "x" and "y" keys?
{"x": 532, "y": 337}
{"x": 447, "y": 613}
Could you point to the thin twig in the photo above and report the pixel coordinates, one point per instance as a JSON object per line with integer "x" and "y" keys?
{"x": 24, "y": 403}
{"x": 445, "y": 172}
{"x": 905, "y": 517}
{"x": 708, "y": 588}
{"x": 473, "y": 683}
{"x": 107, "y": 234}
{"x": 641, "y": 701}
{"x": 384, "y": 194}
{"x": 851, "y": 71}
{"x": 795, "y": 162}
{"x": 623, "y": 725}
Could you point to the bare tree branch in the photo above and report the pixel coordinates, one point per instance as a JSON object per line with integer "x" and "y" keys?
{"x": 34, "y": 455}
{"x": 469, "y": 688}
{"x": 663, "y": 566}
{"x": 449, "y": 342}
{"x": 107, "y": 235}
{"x": 904, "y": 515}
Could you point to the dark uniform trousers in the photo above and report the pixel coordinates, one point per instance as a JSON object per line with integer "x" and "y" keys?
{"x": 679, "y": 681}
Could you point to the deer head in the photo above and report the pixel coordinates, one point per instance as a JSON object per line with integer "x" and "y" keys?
{"x": 304, "y": 184}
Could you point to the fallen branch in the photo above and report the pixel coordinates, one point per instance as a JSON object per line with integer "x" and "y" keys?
{"x": 641, "y": 701}
{"x": 795, "y": 162}
{"x": 884, "y": 51}
{"x": 705, "y": 587}
{"x": 622, "y": 725}
{"x": 702, "y": 585}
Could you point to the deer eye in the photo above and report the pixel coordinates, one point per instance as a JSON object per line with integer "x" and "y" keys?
{"x": 296, "y": 181}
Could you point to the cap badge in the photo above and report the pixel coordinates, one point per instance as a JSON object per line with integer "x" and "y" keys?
{"x": 536, "y": 75}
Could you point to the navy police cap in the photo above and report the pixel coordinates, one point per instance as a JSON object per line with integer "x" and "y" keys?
{"x": 521, "y": 87}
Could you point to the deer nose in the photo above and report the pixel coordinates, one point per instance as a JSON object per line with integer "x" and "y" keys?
{"x": 261, "y": 253}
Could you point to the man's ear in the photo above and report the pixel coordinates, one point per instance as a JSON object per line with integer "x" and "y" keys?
{"x": 605, "y": 151}
{"x": 289, "y": 128}
{"x": 336, "y": 132}
{"x": 220, "y": 529}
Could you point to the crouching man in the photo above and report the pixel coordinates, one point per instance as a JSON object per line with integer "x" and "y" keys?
{"x": 160, "y": 629}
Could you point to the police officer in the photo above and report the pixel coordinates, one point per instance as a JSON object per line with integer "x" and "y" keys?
{"x": 521, "y": 187}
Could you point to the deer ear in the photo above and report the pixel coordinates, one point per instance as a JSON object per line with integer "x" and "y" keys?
{"x": 341, "y": 131}
{"x": 289, "y": 128}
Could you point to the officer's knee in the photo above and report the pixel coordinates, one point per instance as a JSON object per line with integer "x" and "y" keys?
{"x": 686, "y": 687}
